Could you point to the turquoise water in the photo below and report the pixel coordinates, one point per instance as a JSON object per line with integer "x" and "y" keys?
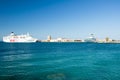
{"x": 59, "y": 61}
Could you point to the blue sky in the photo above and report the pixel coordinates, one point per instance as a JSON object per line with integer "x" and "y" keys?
{"x": 74, "y": 19}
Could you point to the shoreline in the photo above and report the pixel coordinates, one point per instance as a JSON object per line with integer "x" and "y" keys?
{"x": 63, "y": 42}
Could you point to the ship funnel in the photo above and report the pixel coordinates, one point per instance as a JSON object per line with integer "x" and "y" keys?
{"x": 12, "y": 34}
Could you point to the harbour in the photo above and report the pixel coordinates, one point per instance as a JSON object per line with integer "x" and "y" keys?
{"x": 27, "y": 38}
{"x": 59, "y": 61}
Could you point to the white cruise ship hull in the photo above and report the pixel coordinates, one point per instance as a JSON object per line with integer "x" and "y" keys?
{"x": 18, "y": 41}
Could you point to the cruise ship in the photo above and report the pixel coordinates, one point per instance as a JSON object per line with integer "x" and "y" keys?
{"x": 90, "y": 39}
{"x": 19, "y": 38}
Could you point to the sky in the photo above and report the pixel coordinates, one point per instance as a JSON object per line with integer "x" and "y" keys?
{"x": 75, "y": 19}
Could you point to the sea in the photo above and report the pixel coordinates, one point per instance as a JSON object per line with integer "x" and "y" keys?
{"x": 59, "y": 61}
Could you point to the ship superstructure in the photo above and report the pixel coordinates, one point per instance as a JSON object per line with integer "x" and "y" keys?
{"x": 90, "y": 39}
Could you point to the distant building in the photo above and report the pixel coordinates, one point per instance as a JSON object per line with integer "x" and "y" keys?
{"x": 49, "y": 38}
{"x": 64, "y": 40}
{"x": 115, "y": 41}
{"x": 107, "y": 39}
{"x": 78, "y": 40}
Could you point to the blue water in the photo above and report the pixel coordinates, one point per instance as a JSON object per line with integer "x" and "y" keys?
{"x": 59, "y": 61}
